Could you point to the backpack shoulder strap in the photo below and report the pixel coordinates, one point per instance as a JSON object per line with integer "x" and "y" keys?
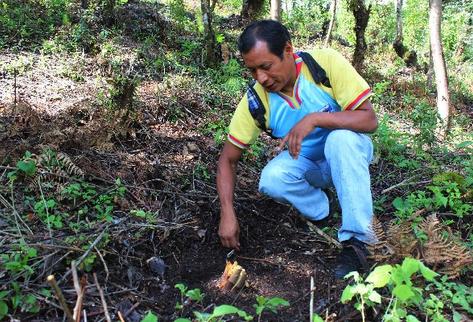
{"x": 256, "y": 107}
{"x": 318, "y": 73}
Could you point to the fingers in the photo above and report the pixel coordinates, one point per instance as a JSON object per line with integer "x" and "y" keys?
{"x": 294, "y": 142}
{"x": 283, "y": 143}
{"x": 230, "y": 242}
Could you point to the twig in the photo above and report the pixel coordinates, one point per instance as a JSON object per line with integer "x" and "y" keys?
{"x": 406, "y": 182}
{"x": 102, "y": 298}
{"x": 45, "y": 207}
{"x": 17, "y": 215}
{"x": 15, "y": 73}
{"x": 311, "y": 302}
{"x": 120, "y": 316}
{"x": 79, "y": 261}
{"x": 259, "y": 260}
{"x": 131, "y": 309}
{"x": 319, "y": 231}
{"x": 60, "y": 297}
{"x": 79, "y": 290}
{"x": 104, "y": 264}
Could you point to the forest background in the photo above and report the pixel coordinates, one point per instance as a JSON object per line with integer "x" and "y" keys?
{"x": 112, "y": 115}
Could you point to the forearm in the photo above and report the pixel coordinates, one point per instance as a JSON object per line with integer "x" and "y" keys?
{"x": 226, "y": 183}
{"x": 226, "y": 176}
{"x": 350, "y": 120}
{"x": 362, "y": 119}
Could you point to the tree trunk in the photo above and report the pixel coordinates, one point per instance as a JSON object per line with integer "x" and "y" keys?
{"x": 409, "y": 56}
{"x": 362, "y": 15}
{"x": 443, "y": 100}
{"x": 399, "y": 4}
{"x": 210, "y": 53}
{"x": 398, "y": 42}
{"x": 251, "y": 9}
{"x": 333, "y": 11}
{"x": 276, "y": 10}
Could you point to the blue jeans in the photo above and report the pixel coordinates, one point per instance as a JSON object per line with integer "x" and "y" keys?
{"x": 345, "y": 167}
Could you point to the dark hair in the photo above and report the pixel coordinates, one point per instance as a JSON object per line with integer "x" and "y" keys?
{"x": 272, "y": 32}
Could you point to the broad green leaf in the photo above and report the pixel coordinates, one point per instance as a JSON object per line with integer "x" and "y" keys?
{"x": 427, "y": 272}
{"x": 401, "y": 312}
{"x": 317, "y": 318}
{"x": 410, "y": 266}
{"x": 347, "y": 294}
{"x": 411, "y": 318}
{"x": 150, "y": 317}
{"x": 195, "y": 294}
{"x": 28, "y": 167}
{"x": 260, "y": 299}
{"x": 32, "y": 252}
{"x": 403, "y": 292}
{"x": 3, "y": 309}
{"x": 360, "y": 289}
{"x": 181, "y": 287}
{"x": 375, "y": 297}
{"x": 277, "y": 301}
{"x": 202, "y": 316}
{"x": 225, "y": 309}
{"x": 398, "y": 203}
{"x": 3, "y": 294}
{"x": 380, "y": 276}
{"x": 397, "y": 275}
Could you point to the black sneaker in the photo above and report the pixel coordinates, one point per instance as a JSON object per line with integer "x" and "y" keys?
{"x": 353, "y": 257}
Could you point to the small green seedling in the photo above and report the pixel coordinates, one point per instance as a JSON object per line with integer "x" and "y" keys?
{"x": 271, "y": 304}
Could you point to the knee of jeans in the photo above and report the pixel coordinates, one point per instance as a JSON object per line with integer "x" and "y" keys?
{"x": 272, "y": 181}
{"x": 339, "y": 140}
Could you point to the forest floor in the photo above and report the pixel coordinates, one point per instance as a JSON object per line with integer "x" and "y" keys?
{"x": 167, "y": 168}
{"x": 157, "y": 164}
{"x": 111, "y": 188}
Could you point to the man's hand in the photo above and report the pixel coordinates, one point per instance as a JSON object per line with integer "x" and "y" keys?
{"x": 297, "y": 134}
{"x": 229, "y": 231}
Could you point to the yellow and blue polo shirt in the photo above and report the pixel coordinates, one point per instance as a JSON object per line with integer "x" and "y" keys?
{"x": 348, "y": 91}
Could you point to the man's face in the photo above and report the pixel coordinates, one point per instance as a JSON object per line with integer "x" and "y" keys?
{"x": 268, "y": 69}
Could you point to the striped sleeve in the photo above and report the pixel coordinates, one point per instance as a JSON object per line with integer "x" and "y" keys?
{"x": 242, "y": 130}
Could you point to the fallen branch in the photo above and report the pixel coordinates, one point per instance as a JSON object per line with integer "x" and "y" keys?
{"x": 60, "y": 297}
{"x": 80, "y": 290}
{"x": 131, "y": 309}
{"x": 311, "y": 302}
{"x": 406, "y": 182}
{"x": 103, "y": 262}
{"x": 328, "y": 238}
{"x": 102, "y": 298}
{"x": 120, "y": 317}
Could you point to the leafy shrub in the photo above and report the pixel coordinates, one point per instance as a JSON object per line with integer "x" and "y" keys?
{"x": 27, "y": 23}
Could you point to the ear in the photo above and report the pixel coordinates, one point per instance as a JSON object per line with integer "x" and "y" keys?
{"x": 288, "y": 49}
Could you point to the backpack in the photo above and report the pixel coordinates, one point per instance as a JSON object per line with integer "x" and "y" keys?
{"x": 255, "y": 105}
